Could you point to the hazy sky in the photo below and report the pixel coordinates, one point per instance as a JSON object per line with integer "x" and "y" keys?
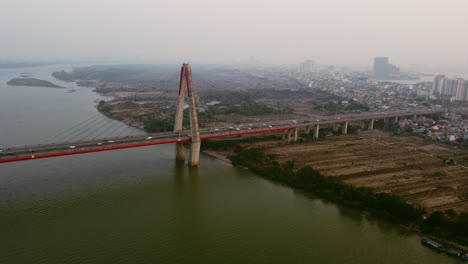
{"x": 273, "y": 31}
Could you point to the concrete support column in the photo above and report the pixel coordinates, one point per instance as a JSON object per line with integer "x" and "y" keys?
{"x": 371, "y": 124}
{"x": 344, "y": 128}
{"x": 335, "y": 127}
{"x": 284, "y": 134}
{"x": 180, "y": 151}
{"x": 194, "y": 153}
{"x": 295, "y": 134}
{"x": 362, "y": 124}
{"x": 396, "y": 119}
{"x": 307, "y": 130}
{"x": 289, "y": 135}
{"x": 196, "y": 141}
{"x": 316, "y": 131}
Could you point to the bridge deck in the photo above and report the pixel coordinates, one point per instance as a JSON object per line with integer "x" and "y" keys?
{"x": 51, "y": 152}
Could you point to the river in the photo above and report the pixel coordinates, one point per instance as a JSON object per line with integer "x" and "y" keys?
{"x": 139, "y": 206}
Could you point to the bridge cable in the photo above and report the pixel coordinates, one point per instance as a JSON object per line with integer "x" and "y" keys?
{"x": 82, "y": 129}
{"x": 95, "y": 129}
{"x": 71, "y": 128}
{"x": 165, "y": 84}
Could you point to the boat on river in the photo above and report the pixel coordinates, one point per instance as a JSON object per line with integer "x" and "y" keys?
{"x": 432, "y": 244}
{"x": 439, "y": 247}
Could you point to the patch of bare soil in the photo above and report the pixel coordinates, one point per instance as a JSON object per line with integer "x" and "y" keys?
{"x": 408, "y": 167}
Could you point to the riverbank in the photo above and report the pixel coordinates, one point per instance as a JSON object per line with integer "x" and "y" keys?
{"x": 386, "y": 206}
{"x": 269, "y": 159}
{"x": 217, "y": 155}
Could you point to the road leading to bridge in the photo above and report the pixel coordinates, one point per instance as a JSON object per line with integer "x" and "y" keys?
{"x": 81, "y": 147}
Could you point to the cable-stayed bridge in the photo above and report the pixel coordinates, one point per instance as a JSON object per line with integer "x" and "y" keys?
{"x": 98, "y": 133}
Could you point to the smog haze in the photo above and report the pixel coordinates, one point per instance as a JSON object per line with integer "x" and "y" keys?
{"x": 218, "y": 31}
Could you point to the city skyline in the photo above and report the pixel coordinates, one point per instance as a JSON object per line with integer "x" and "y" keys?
{"x": 328, "y": 32}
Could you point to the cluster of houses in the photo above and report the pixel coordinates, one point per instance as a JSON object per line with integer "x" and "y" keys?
{"x": 452, "y": 129}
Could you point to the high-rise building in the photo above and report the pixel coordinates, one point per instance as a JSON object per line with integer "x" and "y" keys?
{"x": 306, "y": 66}
{"x": 456, "y": 89}
{"x": 438, "y": 85}
{"x": 380, "y": 66}
{"x": 462, "y": 92}
{"x": 453, "y": 85}
{"x": 383, "y": 69}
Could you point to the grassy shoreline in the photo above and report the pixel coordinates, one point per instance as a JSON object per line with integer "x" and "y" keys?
{"x": 440, "y": 226}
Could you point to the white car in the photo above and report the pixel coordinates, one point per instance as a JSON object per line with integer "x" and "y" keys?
{"x": 110, "y": 141}
{"x": 149, "y": 138}
{"x": 99, "y": 143}
{"x": 72, "y": 147}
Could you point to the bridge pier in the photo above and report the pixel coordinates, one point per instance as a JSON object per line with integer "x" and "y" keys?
{"x": 344, "y": 128}
{"x": 316, "y": 131}
{"x": 396, "y": 119}
{"x": 196, "y": 141}
{"x": 295, "y": 134}
{"x": 371, "y": 124}
{"x": 335, "y": 127}
{"x": 307, "y": 130}
{"x": 180, "y": 151}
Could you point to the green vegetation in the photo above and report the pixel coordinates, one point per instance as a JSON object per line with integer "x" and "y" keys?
{"x": 388, "y": 206}
{"x": 163, "y": 122}
{"x": 104, "y": 107}
{"x": 217, "y": 144}
{"x": 31, "y": 82}
{"x": 246, "y": 102}
{"x": 154, "y": 124}
{"x": 447, "y": 224}
{"x": 435, "y": 175}
{"x": 101, "y": 73}
{"x": 248, "y": 109}
{"x": 129, "y": 104}
{"x": 338, "y": 106}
